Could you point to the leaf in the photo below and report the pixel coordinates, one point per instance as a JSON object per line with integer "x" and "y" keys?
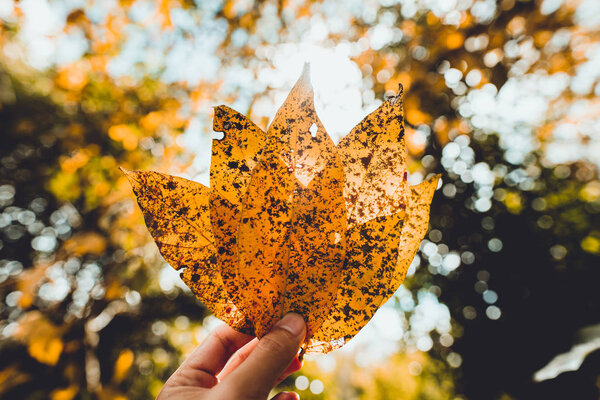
{"x": 379, "y": 254}
{"x": 292, "y": 223}
{"x": 177, "y": 215}
{"x": 374, "y": 158}
{"x": 291, "y": 234}
{"x": 368, "y": 269}
{"x": 233, "y": 158}
{"x": 415, "y": 227}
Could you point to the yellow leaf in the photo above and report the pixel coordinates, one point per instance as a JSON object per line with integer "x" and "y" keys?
{"x": 177, "y": 215}
{"x": 233, "y": 158}
{"x": 369, "y": 265}
{"x": 374, "y": 158}
{"x": 387, "y": 246}
{"x": 292, "y": 228}
{"x": 414, "y": 228}
{"x": 292, "y": 223}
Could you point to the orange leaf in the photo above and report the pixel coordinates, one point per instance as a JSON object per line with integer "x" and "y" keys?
{"x": 292, "y": 228}
{"x": 374, "y": 157}
{"x": 292, "y": 223}
{"x": 177, "y": 215}
{"x": 233, "y": 158}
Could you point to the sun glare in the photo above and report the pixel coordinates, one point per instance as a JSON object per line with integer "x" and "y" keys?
{"x": 337, "y": 82}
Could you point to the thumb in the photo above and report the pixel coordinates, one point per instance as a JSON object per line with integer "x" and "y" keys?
{"x": 256, "y": 376}
{"x": 287, "y": 396}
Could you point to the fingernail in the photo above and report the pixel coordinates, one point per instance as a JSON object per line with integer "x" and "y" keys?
{"x": 293, "y": 323}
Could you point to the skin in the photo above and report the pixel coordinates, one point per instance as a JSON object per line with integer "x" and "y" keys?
{"x": 231, "y": 365}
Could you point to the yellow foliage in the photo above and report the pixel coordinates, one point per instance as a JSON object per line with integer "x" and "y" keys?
{"x": 591, "y": 243}
{"x": 513, "y": 202}
{"x": 590, "y": 192}
{"x": 151, "y": 121}
{"x": 123, "y": 364}
{"x": 125, "y": 134}
{"x": 43, "y": 339}
{"x": 73, "y": 77}
{"x": 65, "y": 186}
{"x": 74, "y": 162}
{"x": 405, "y": 376}
{"x": 64, "y": 394}
{"x": 85, "y": 243}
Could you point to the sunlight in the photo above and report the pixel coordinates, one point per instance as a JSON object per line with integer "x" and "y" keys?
{"x": 337, "y": 82}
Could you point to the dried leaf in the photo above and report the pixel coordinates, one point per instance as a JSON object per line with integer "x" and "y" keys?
{"x": 292, "y": 223}
{"x": 379, "y": 254}
{"x": 374, "y": 157}
{"x": 233, "y": 158}
{"x": 414, "y": 229}
{"x": 177, "y": 215}
{"x": 291, "y": 234}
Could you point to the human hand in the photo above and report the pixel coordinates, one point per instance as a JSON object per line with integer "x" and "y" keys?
{"x": 231, "y": 365}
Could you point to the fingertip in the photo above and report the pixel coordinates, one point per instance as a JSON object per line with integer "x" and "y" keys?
{"x": 287, "y": 396}
{"x": 293, "y": 323}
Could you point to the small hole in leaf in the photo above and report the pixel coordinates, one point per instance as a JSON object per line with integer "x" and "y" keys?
{"x": 218, "y": 135}
{"x": 313, "y": 130}
{"x": 337, "y": 238}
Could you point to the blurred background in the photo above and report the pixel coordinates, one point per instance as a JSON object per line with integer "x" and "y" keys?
{"x": 502, "y": 98}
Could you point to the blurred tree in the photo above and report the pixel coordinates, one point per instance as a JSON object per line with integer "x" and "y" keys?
{"x": 82, "y": 304}
{"x": 527, "y": 283}
{"x": 514, "y": 239}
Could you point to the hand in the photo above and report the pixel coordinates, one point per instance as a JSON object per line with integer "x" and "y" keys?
{"x": 231, "y": 365}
